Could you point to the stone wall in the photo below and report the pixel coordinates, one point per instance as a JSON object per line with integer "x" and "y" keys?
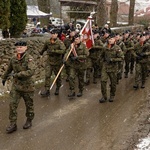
{"x": 7, "y": 50}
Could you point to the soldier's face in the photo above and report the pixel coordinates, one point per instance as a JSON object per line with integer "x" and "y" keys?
{"x": 111, "y": 41}
{"x": 117, "y": 37}
{"x": 54, "y": 36}
{"x": 21, "y": 49}
{"x": 72, "y": 33}
{"x": 77, "y": 40}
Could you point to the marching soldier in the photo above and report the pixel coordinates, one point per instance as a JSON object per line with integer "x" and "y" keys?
{"x": 22, "y": 68}
{"x": 77, "y": 65}
{"x": 68, "y": 41}
{"x": 55, "y": 49}
{"x": 129, "y": 47}
{"x": 112, "y": 54}
{"x": 93, "y": 60}
{"x": 141, "y": 53}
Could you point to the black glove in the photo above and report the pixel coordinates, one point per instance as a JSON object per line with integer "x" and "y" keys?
{"x": 142, "y": 54}
{"x": 74, "y": 58}
{"x": 64, "y": 61}
{"x": 139, "y": 57}
{"x": 3, "y": 82}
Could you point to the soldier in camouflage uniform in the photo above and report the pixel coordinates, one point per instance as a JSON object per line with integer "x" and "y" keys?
{"x": 55, "y": 49}
{"x": 141, "y": 53}
{"x": 129, "y": 47}
{"x": 23, "y": 68}
{"x": 93, "y": 60}
{"x": 112, "y": 54}
{"x": 121, "y": 44}
{"x": 77, "y": 62}
{"x": 68, "y": 41}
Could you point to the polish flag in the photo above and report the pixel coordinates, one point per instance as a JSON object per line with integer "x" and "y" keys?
{"x": 86, "y": 33}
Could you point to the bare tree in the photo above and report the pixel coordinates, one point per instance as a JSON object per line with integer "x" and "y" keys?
{"x": 44, "y": 5}
{"x": 101, "y": 13}
{"x": 131, "y": 12}
{"x": 113, "y": 13}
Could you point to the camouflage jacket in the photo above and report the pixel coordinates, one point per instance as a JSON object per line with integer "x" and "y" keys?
{"x": 82, "y": 54}
{"x": 23, "y": 71}
{"x": 129, "y": 45}
{"x": 111, "y": 57}
{"x": 142, "y": 49}
{"x": 55, "y": 51}
{"x": 96, "y": 50}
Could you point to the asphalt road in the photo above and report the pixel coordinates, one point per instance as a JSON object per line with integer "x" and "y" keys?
{"x": 77, "y": 124}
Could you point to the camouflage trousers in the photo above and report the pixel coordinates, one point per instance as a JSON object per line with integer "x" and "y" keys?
{"x": 140, "y": 73}
{"x": 113, "y": 81}
{"x": 80, "y": 74}
{"x": 48, "y": 74}
{"x": 15, "y": 97}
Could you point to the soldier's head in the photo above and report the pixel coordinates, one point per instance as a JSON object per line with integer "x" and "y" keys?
{"x": 111, "y": 39}
{"x": 21, "y": 47}
{"x": 95, "y": 34}
{"x": 117, "y": 37}
{"x": 126, "y": 34}
{"x": 77, "y": 39}
{"x": 142, "y": 37}
{"x": 72, "y": 32}
{"x": 54, "y": 33}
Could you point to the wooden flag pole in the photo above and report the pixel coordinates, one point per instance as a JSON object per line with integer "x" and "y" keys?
{"x": 61, "y": 69}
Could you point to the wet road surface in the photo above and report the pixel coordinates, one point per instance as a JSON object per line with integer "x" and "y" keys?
{"x": 78, "y": 124}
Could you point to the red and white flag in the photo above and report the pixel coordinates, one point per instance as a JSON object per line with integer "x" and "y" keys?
{"x": 86, "y": 33}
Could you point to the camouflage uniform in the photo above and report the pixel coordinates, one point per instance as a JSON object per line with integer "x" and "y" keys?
{"x": 129, "y": 47}
{"x": 22, "y": 86}
{"x": 111, "y": 57}
{"x": 93, "y": 60}
{"x": 67, "y": 43}
{"x": 142, "y": 53}
{"x": 55, "y": 50}
{"x": 120, "y": 64}
{"x": 77, "y": 66}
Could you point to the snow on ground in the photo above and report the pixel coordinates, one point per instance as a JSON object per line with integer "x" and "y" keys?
{"x": 144, "y": 144}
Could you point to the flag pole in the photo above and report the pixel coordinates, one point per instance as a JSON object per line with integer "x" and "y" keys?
{"x": 60, "y": 69}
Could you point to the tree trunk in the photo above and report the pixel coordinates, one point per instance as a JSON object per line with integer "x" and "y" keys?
{"x": 113, "y": 13}
{"x": 44, "y": 5}
{"x": 101, "y": 13}
{"x": 131, "y": 12}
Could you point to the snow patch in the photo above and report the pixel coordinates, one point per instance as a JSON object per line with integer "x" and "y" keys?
{"x": 144, "y": 144}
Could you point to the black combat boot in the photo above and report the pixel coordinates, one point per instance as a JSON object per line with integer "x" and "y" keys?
{"x": 28, "y": 124}
{"x": 80, "y": 93}
{"x": 45, "y": 93}
{"x": 135, "y": 86}
{"x": 94, "y": 81}
{"x": 111, "y": 99}
{"x": 11, "y": 128}
{"x": 71, "y": 94}
{"x": 103, "y": 100}
{"x": 57, "y": 91}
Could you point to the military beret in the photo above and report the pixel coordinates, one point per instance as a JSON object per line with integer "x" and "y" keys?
{"x": 95, "y": 31}
{"x": 77, "y": 35}
{"x": 112, "y": 35}
{"x": 21, "y": 43}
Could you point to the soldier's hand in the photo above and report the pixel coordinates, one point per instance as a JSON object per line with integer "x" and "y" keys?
{"x": 142, "y": 54}
{"x": 3, "y": 82}
{"x": 74, "y": 58}
{"x": 64, "y": 61}
{"x": 139, "y": 57}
